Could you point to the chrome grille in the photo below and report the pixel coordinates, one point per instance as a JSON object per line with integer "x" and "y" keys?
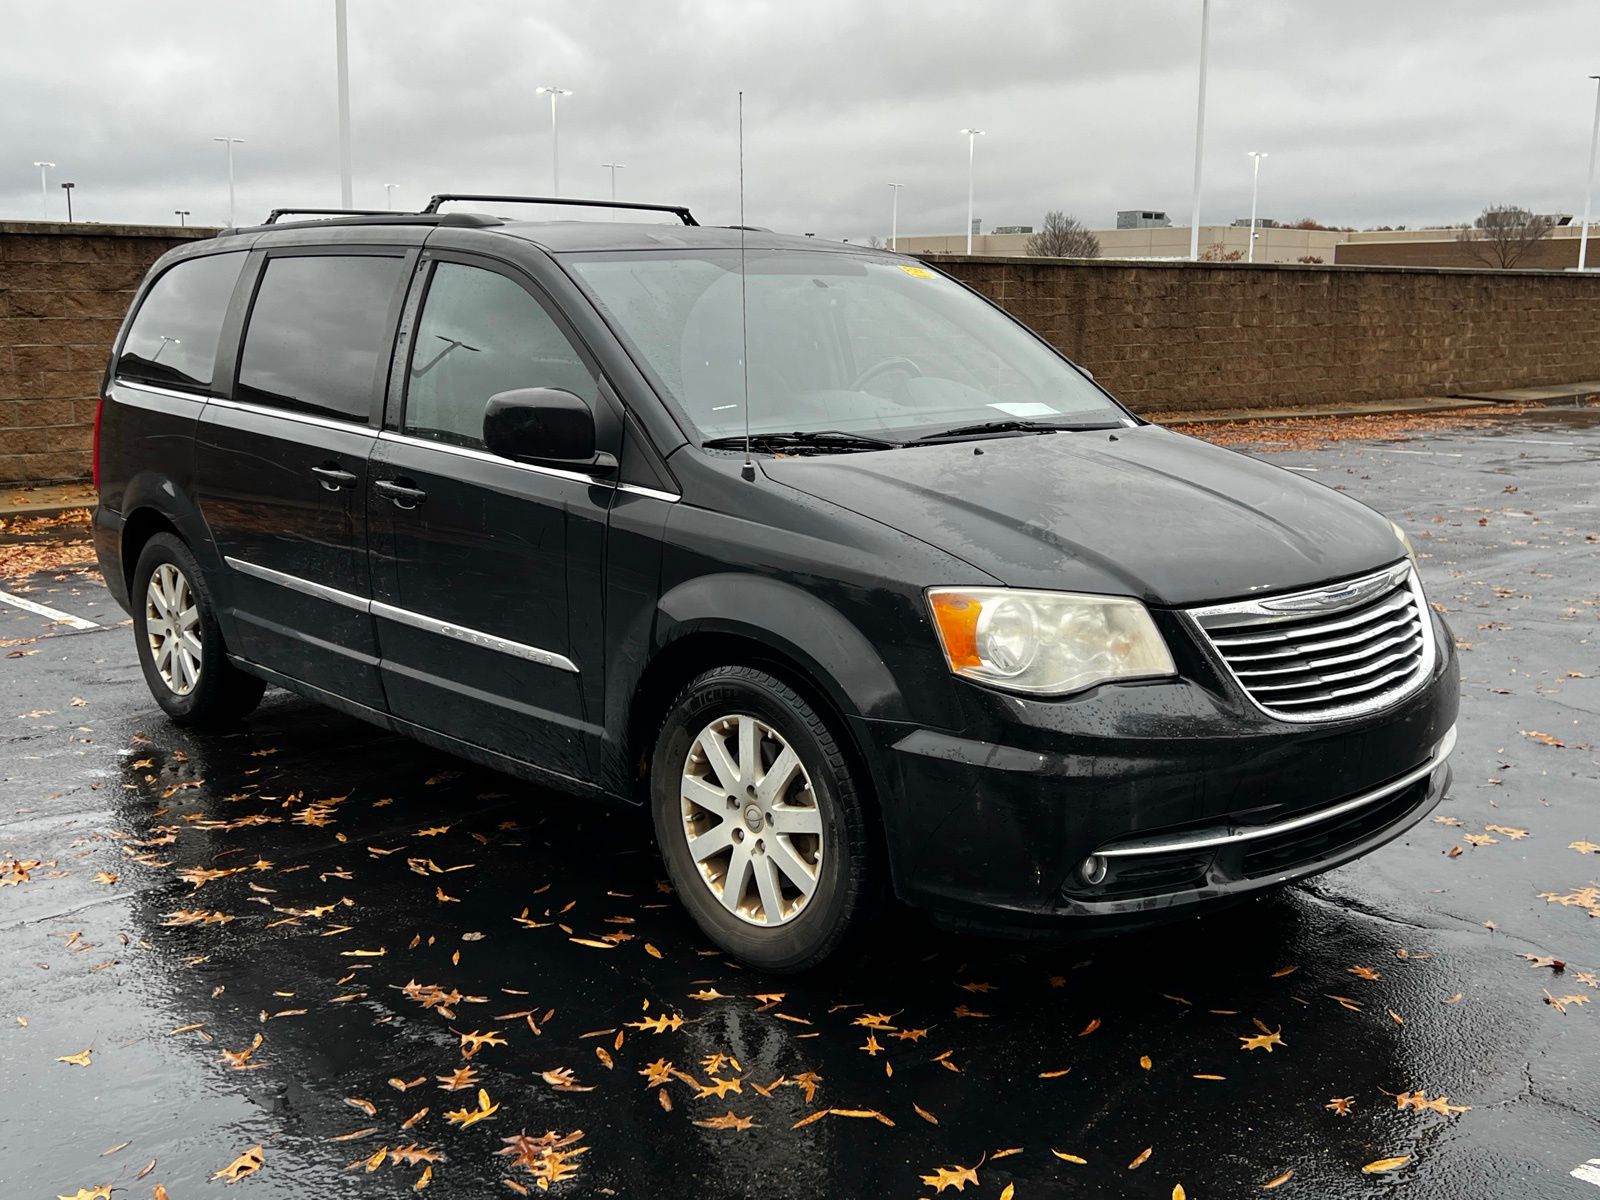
{"x": 1328, "y": 652}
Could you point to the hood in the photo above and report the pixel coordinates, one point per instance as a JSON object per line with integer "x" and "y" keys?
{"x": 1148, "y": 513}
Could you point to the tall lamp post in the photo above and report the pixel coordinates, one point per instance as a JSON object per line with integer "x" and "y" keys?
{"x": 972, "y": 141}
{"x": 894, "y": 216}
{"x": 614, "y": 168}
{"x": 182, "y": 214}
{"x": 1255, "y": 180}
{"x": 44, "y": 188}
{"x": 341, "y": 45}
{"x": 555, "y": 94}
{"x": 1199, "y": 132}
{"x": 1588, "y": 188}
{"x": 389, "y": 190}
{"x": 231, "y": 142}
{"x": 67, "y": 187}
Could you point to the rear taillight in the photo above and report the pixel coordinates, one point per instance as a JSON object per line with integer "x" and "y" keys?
{"x": 99, "y": 411}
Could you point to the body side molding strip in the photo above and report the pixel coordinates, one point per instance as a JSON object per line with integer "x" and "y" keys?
{"x": 404, "y": 616}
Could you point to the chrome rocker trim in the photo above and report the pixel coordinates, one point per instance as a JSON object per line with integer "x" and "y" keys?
{"x": 1202, "y": 839}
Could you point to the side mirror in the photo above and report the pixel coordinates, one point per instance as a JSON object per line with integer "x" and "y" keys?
{"x": 547, "y": 426}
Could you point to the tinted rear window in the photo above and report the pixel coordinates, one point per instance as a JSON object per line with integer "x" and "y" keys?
{"x": 317, "y": 336}
{"x": 173, "y": 338}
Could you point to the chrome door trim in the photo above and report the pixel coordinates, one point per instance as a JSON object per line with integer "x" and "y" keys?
{"x": 406, "y": 439}
{"x": 154, "y": 390}
{"x": 473, "y": 637}
{"x": 404, "y": 616}
{"x": 295, "y": 584}
{"x": 289, "y": 414}
{"x": 1205, "y": 839}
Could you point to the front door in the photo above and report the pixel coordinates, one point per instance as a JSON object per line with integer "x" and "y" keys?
{"x": 482, "y": 566}
{"x": 281, "y": 468}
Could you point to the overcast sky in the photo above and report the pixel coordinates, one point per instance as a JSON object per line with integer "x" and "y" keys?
{"x": 1372, "y": 111}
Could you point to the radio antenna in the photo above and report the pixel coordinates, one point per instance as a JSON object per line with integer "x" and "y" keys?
{"x": 748, "y": 471}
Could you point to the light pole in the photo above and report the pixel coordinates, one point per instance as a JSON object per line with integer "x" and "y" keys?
{"x": 1255, "y": 180}
{"x": 972, "y": 141}
{"x": 67, "y": 187}
{"x": 44, "y": 188}
{"x": 230, "y": 142}
{"x": 341, "y": 44}
{"x": 555, "y": 144}
{"x": 614, "y": 168}
{"x": 1588, "y": 188}
{"x": 1199, "y": 132}
{"x": 894, "y": 216}
{"x": 389, "y": 190}
{"x": 182, "y": 214}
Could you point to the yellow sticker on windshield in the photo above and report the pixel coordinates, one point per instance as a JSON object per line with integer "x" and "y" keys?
{"x": 917, "y": 272}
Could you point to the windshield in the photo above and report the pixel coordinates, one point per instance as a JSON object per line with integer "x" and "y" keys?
{"x": 838, "y": 342}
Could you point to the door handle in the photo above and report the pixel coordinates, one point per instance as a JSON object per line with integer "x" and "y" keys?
{"x": 333, "y": 478}
{"x": 402, "y": 495}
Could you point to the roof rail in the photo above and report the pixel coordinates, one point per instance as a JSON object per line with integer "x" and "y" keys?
{"x": 677, "y": 210}
{"x": 272, "y": 217}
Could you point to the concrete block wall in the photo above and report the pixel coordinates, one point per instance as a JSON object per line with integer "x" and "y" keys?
{"x": 63, "y": 291}
{"x": 1197, "y": 337}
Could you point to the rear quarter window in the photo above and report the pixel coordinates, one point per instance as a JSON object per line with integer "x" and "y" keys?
{"x": 318, "y": 337}
{"x": 173, "y": 338}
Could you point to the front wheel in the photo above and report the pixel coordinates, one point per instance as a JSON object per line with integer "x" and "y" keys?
{"x": 759, "y": 819}
{"x": 181, "y": 649}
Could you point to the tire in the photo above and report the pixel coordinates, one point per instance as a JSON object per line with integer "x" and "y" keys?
{"x": 772, "y": 831}
{"x": 204, "y": 689}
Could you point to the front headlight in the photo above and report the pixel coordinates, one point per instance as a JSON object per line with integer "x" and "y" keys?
{"x": 1046, "y": 642}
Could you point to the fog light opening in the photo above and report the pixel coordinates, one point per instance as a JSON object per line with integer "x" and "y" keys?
{"x": 1093, "y": 870}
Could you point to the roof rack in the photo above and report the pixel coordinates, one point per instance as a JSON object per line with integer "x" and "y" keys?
{"x": 272, "y": 217}
{"x": 677, "y": 210}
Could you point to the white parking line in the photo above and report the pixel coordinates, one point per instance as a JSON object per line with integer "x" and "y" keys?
{"x": 55, "y": 615}
{"x": 1438, "y": 453}
{"x": 1588, "y": 1172}
{"x": 1534, "y": 442}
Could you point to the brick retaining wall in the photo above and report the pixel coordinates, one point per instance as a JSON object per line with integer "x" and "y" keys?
{"x": 1165, "y": 337}
{"x": 63, "y": 290}
{"x": 1192, "y": 337}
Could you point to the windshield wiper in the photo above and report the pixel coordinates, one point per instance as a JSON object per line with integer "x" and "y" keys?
{"x": 816, "y": 438}
{"x": 1011, "y": 425}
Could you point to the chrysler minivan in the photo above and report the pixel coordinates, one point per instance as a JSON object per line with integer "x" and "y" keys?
{"x": 861, "y": 586}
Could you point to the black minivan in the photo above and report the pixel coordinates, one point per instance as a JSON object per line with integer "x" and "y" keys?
{"x": 858, "y": 583}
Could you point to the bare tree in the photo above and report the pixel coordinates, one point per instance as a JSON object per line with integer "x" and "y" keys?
{"x": 1503, "y": 234}
{"x": 875, "y": 242}
{"x": 1062, "y": 236}
{"x": 1219, "y": 252}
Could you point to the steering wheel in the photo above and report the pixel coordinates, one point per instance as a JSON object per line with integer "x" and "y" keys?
{"x": 895, "y": 363}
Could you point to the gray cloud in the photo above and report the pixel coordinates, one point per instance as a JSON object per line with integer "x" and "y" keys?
{"x": 1371, "y": 111}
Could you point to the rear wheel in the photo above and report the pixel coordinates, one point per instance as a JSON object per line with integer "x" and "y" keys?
{"x": 759, "y": 819}
{"x": 180, "y": 644}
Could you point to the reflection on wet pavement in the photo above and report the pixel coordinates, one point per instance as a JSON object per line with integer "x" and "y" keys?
{"x": 382, "y": 966}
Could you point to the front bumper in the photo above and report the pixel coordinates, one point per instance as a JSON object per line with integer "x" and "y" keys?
{"x": 1186, "y": 792}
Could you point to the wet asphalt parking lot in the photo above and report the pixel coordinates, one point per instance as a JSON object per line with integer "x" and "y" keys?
{"x": 331, "y": 962}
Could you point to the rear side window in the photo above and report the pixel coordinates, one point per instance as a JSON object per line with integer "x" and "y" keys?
{"x": 173, "y": 338}
{"x": 317, "y": 339}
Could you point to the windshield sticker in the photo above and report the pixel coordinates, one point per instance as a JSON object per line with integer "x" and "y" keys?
{"x": 1027, "y": 409}
{"x": 917, "y": 272}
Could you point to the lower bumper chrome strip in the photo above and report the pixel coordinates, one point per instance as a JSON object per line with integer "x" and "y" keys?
{"x": 1202, "y": 839}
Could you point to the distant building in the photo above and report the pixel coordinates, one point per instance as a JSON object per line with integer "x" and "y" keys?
{"x": 1140, "y": 218}
{"x": 1013, "y": 229}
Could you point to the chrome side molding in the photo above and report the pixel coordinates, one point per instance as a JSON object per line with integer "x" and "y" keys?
{"x": 404, "y": 616}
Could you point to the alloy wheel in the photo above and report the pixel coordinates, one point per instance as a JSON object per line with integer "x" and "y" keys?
{"x": 751, "y": 819}
{"x": 172, "y": 625}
